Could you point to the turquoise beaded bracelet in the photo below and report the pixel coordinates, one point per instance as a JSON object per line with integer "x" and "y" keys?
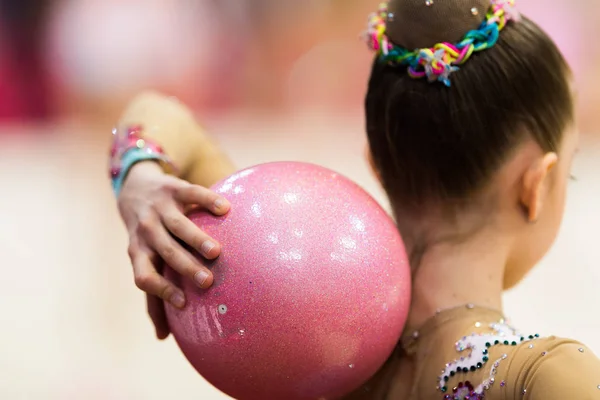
{"x": 130, "y": 148}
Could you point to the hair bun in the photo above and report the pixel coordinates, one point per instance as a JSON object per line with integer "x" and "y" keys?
{"x": 415, "y": 24}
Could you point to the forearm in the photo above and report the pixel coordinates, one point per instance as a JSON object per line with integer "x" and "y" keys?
{"x": 172, "y": 125}
{"x": 211, "y": 166}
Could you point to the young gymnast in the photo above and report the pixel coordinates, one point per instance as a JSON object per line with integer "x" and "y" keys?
{"x": 472, "y": 136}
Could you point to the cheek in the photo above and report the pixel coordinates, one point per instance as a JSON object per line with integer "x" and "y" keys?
{"x": 539, "y": 237}
{"x": 554, "y": 210}
{"x": 548, "y": 226}
{"x": 559, "y": 198}
{"x": 548, "y": 231}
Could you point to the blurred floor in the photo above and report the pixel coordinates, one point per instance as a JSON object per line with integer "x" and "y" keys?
{"x": 74, "y": 325}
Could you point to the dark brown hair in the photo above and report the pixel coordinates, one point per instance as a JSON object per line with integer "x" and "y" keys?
{"x": 439, "y": 145}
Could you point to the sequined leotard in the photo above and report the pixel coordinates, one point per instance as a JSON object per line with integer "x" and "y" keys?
{"x": 472, "y": 353}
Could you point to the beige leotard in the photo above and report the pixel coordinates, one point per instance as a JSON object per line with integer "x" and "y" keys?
{"x": 472, "y": 353}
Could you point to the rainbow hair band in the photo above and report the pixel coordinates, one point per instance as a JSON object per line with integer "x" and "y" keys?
{"x": 438, "y": 62}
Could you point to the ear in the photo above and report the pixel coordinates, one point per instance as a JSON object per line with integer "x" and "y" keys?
{"x": 369, "y": 157}
{"x": 535, "y": 185}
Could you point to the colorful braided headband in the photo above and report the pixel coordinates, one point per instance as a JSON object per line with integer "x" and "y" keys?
{"x": 438, "y": 62}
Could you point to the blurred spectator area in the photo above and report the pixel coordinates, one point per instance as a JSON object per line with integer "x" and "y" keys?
{"x": 24, "y": 83}
{"x": 88, "y": 57}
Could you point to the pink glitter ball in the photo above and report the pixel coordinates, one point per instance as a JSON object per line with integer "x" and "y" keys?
{"x": 311, "y": 291}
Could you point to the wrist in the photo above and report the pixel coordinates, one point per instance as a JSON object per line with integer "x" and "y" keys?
{"x": 144, "y": 168}
{"x": 130, "y": 149}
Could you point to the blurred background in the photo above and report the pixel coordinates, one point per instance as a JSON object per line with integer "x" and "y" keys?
{"x": 272, "y": 80}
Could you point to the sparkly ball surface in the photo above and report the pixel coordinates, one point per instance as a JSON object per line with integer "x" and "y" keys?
{"x": 311, "y": 290}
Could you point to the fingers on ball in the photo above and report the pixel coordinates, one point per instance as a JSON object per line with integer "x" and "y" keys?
{"x": 183, "y": 228}
{"x": 194, "y": 194}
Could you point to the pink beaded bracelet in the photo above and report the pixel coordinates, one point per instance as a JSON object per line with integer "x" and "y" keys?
{"x": 129, "y": 148}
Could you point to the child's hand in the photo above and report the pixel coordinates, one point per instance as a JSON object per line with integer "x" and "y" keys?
{"x": 152, "y": 205}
